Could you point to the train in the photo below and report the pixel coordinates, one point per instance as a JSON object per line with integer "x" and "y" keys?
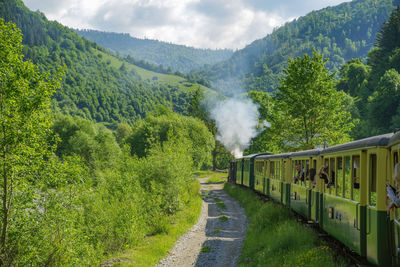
{"x": 351, "y": 206}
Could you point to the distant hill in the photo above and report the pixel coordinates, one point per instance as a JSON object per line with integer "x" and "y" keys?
{"x": 97, "y": 85}
{"x": 341, "y": 32}
{"x": 177, "y": 57}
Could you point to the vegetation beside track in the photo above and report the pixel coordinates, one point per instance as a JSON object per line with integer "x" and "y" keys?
{"x": 214, "y": 177}
{"x": 275, "y": 238}
{"x": 154, "y": 248}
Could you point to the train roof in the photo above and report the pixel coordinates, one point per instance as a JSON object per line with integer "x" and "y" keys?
{"x": 274, "y": 156}
{"x": 254, "y": 155}
{"x": 395, "y": 138}
{"x": 374, "y": 141}
{"x": 311, "y": 152}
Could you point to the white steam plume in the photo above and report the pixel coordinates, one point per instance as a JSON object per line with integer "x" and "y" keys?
{"x": 236, "y": 121}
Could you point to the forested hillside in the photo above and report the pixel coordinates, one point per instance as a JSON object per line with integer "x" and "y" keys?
{"x": 74, "y": 192}
{"x": 376, "y": 85}
{"x": 97, "y": 85}
{"x": 176, "y": 57}
{"x": 340, "y": 33}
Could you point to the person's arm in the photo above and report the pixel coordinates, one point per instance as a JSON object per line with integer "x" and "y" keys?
{"x": 392, "y": 196}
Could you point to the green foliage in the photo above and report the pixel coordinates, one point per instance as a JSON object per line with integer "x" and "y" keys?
{"x": 175, "y": 57}
{"x": 163, "y": 125}
{"x": 93, "y": 142}
{"x": 266, "y": 140}
{"x": 223, "y": 218}
{"x": 376, "y": 85}
{"x": 339, "y": 33}
{"x": 199, "y": 108}
{"x": 98, "y": 85}
{"x": 216, "y": 179}
{"x": 274, "y": 238}
{"x": 24, "y": 121}
{"x": 310, "y": 112}
{"x": 70, "y": 194}
{"x": 205, "y": 249}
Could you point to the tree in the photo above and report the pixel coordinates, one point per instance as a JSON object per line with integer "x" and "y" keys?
{"x": 385, "y": 102}
{"x": 310, "y": 112}
{"x": 24, "y": 128}
{"x": 198, "y": 108}
{"x": 163, "y": 125}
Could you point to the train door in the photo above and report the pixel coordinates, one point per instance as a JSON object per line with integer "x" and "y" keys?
{"x": 341, "y": 213}
{"x": 377, "y": 224}
{"x": 299, "y": 186}
{"x": 314, "y": 199}
{"x": 259, "y": 176}
{"x": 394, "y": 234}
{"x": 275, "y": 180}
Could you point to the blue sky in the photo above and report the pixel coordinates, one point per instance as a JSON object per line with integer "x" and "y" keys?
{"x": 199, "y": 23}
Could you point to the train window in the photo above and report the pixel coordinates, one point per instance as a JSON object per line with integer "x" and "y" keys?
{"x": 372, "y": 180}
{"x": 395, "y": 158}
{"x": 356, "y": 178}
{"x": 283, "y": 171}
{"x": 331, "y": 178}
{"x": 294, "y": 170}
{"x": 339, "y": 176}
{"x": 306, "y": 172}
{"x": 347, "y": 180}
{"x": 277, "y": 170}
{"x": 259, "y": 168}
{"x": 271, "y": 169}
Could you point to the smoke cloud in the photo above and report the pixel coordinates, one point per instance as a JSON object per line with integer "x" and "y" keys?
{"x": 236, "y": 120}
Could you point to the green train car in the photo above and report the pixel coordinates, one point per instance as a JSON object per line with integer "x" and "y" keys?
{"x": 246, "y": 169}
{"x": 350, "y": 205}
{"x": 394, "y": 236}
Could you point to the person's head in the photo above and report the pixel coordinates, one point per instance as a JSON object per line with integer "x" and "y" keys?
{"x": 325, "y": 168}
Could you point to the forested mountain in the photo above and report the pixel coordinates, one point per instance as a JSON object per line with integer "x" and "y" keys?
{"x": 340, "y": 33}
{"x": 376, "y": 85}
{"x": 176, "y": 57}
{"x": 96, "y": 85}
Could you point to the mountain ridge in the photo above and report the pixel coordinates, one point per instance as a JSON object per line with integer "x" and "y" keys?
{"x": 339, "y": 32}
{"x": 177, "y": 57}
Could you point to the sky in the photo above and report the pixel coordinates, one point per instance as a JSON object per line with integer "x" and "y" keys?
{"x": 214, "y": 24}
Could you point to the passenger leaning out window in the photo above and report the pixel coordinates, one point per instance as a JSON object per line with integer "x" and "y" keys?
{"x": 323, "y": 173}
{"x": 393, "y": 192}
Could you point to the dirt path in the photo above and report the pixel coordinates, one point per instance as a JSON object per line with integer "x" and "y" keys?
{"x": 221, "y": 238}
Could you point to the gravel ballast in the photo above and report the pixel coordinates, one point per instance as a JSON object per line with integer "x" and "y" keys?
{"x": 217, "y": 237}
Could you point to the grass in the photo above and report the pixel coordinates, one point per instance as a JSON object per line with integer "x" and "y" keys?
{"x": 223, "y": 218}
{"x": 214, "y": 177}
{"x": 216, "y": 231}
{"x": 220, "y": 203}
{"x": 152, "y": 77}
{"x": 205, "y": 249}
{"x": 156, "y": 247}
{"x": 275, "y": 238}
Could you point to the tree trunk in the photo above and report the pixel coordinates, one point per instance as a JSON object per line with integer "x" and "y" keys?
{"x": 5, "y": 206}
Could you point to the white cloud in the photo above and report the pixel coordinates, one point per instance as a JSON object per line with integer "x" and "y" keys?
{"x": 198, "y": 23}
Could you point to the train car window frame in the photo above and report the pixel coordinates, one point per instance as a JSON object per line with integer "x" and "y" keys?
{"x": 272, "y": 169}
{"x": 259, "y": 167}
{"x": 372, "y": 178}
{"x": 347, "y": 185}
{"x": 339, "y": 170}
{"x": 278, "y": 170}
{"x": 356, "y": 177}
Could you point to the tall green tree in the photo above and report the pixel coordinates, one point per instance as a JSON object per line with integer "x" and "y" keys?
{"x": 163, "y": 125}
{"x": 310, "y": 112}
{"x": 199, "y": 108}
{"x": 24, "y": 127}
